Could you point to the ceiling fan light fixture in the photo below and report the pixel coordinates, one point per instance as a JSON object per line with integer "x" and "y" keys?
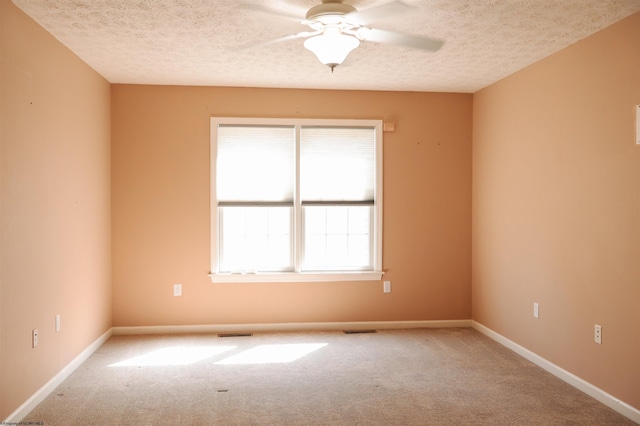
{"x": 332, "y": 46}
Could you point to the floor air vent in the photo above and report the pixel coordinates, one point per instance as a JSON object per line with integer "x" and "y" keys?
{"x": 235, "y": 334}
{"x": 359, "y": 331}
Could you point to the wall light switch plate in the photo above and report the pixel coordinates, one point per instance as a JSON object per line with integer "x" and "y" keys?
{"x": 386, "y": 286}
{"x": 177, "y": 289}
{"x": 536, "y": 310}
{"x": 58, "y": 323}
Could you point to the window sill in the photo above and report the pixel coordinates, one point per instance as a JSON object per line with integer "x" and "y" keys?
{"x": 266, "y": 277}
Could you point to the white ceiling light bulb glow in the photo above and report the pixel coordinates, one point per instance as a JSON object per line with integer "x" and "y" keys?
{"x": 332, "y": 46}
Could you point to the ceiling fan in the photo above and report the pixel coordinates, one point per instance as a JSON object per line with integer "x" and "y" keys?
{"x": 337, "y": 28}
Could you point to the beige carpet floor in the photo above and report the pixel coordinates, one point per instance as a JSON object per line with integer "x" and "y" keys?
{"x": 453, "y": 376}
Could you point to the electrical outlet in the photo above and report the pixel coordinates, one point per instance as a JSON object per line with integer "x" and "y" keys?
{"x": 34, "y": 337}
{"x": 177, "y": 289}
{"x": 386, "y": 286}
{"x": 57, "y": 323}
{"x": 597, "y": 334}
{"x": 536, "y": 311}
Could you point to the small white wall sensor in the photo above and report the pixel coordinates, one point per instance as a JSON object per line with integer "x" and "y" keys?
{"x": 638, "y": 124}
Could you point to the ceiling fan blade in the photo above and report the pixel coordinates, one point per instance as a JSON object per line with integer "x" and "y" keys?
{"x": 375, "y": 14}
{"x": 268, "y": 10}
{"x": 399, "y": 39}
{"x": 288, "y": 37}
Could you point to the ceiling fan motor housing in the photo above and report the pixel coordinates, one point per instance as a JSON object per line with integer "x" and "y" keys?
{"x": 329, "y": 12}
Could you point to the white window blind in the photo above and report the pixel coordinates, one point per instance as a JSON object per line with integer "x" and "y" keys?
{"x": 255, "y": 164}
{"x": 337, "y": 164}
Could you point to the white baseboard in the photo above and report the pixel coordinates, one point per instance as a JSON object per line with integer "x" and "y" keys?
{"x": 280, "y": 327}
{"x": 45, "y": 390}
{"x": 575, "y": 381}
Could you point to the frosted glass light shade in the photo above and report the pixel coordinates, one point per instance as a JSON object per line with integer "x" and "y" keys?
{"x": 331, "y": 47}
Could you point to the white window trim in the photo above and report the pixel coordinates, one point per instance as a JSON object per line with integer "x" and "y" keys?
{"x": 297, "y": 276}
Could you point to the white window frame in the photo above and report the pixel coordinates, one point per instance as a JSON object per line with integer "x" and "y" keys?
{"x": 297, "y": 275}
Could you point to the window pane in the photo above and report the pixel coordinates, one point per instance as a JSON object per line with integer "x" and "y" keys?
{"x": 279, "y": 250}
{"x": 255, "y": 239}
{"x": 315, "y": 220}
{"x": 359, "y": 220}
{"x": 359, "y": 249}
{"x": 278, "y": 223}
{"x": 315, "y": 251}
{"x": 337, "y": 221}
{"x": 337, "y": 250}
{"x": 344, "y": 243}
{"x": 255, "y": 221}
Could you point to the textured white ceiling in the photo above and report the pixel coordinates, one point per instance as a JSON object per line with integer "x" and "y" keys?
{"x": 214, "y": 42}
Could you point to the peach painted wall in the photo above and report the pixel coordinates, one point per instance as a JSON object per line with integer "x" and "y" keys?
{"x": 556, "y": 208}
{"x": 160, "y": 180}
{"x": 54, "y": 206}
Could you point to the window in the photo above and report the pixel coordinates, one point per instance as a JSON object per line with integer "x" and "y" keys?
{"x": 296, "y": 200}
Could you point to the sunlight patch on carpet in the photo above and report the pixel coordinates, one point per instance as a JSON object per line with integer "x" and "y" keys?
{"x": 176, "y": 355}
{"x": 272, "y": 354}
